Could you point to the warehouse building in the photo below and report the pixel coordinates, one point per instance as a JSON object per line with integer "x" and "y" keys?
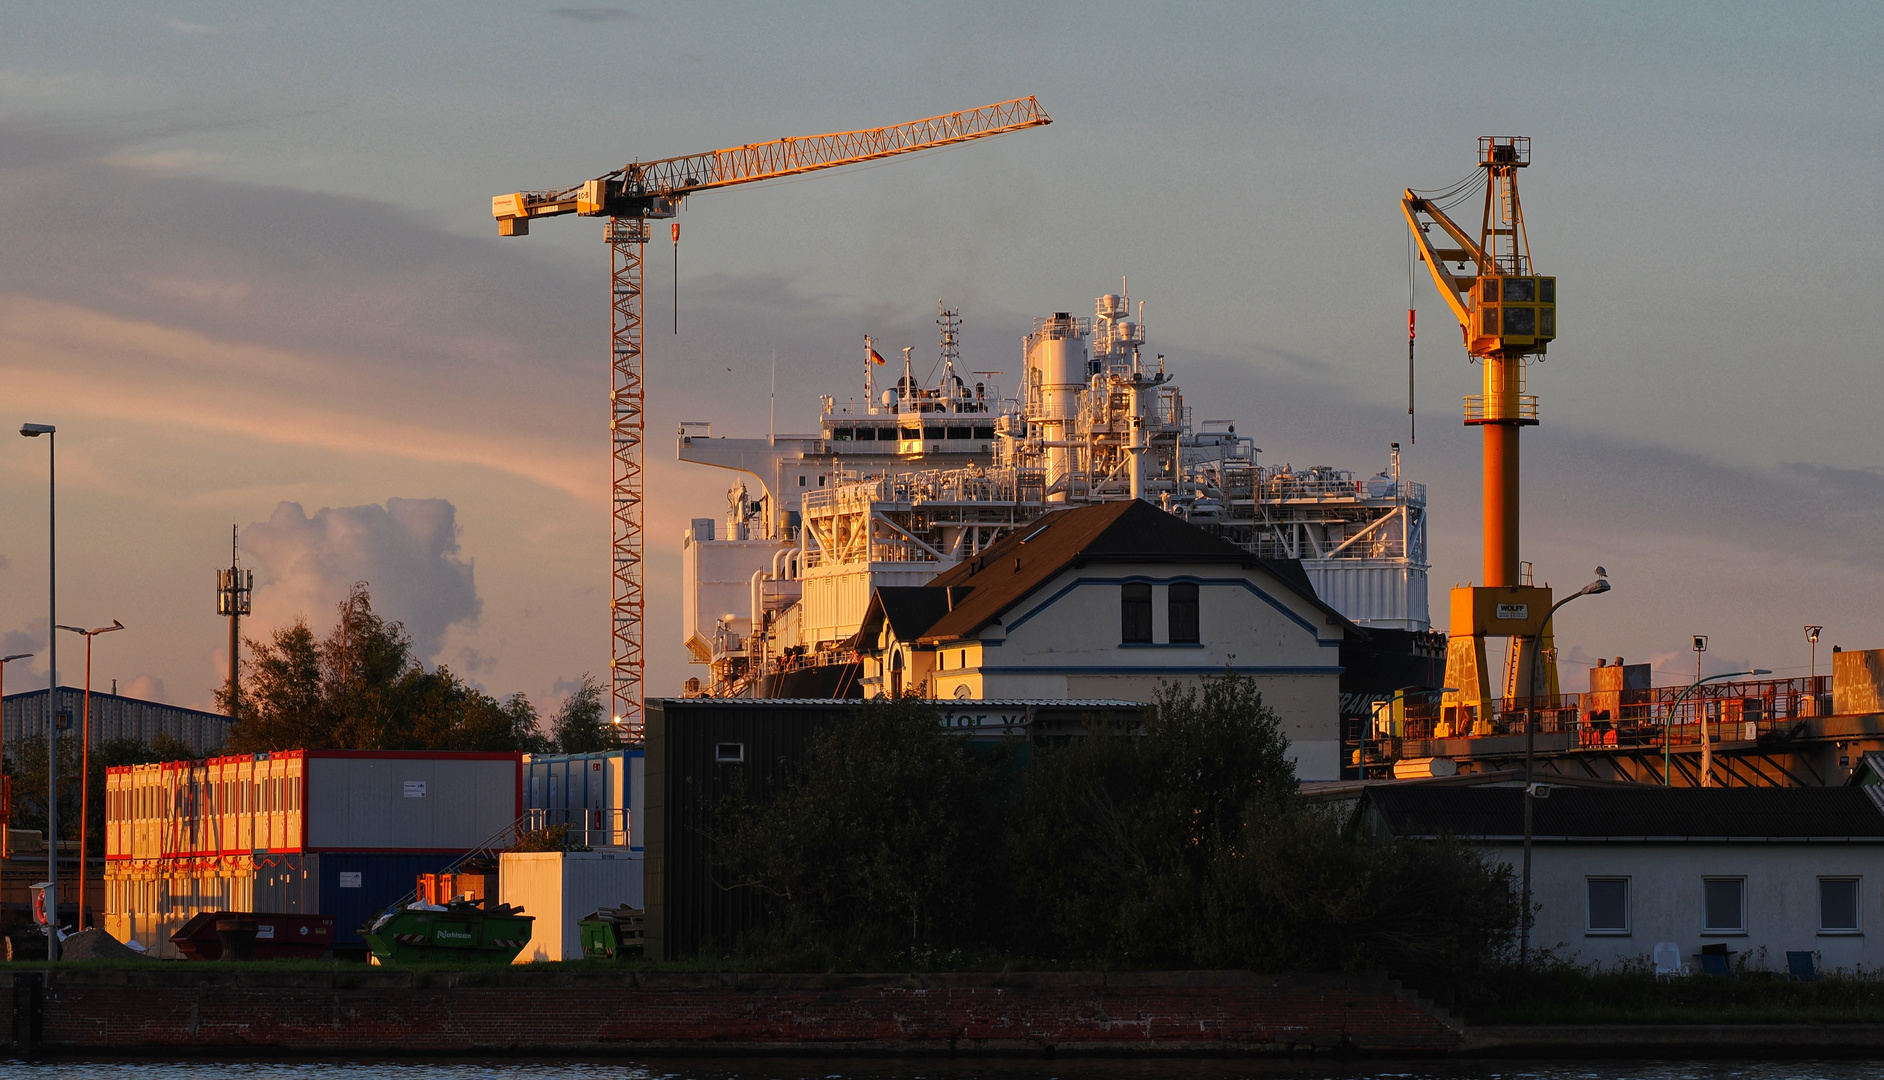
{"x": 114, "y": 716}
{"x": 329, "y": 832}
{"x": 702, "y": 750}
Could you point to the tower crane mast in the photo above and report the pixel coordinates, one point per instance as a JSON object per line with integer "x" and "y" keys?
{"x": 629, "y": 197}
{"x": 1507, "y": 315}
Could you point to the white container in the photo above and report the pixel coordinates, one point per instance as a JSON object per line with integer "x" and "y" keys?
{"x": 559, "y": 889}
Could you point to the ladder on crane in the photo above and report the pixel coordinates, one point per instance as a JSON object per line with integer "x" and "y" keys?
{"x": 630, "y": 197}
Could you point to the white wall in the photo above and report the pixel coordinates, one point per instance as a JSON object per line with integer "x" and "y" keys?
{"x": 1063, "y": 641}
{"x": 1665, "y": 898}
{"x": 559, "y": 889}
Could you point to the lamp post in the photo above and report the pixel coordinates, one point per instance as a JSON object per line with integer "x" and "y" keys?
{"x": 1668, "y": 719}
{"x": 1600, "y": 585}
{"x": 34, "y": 431}
{"x": 85, "y": 756}
{"x": 1812, "y": 635}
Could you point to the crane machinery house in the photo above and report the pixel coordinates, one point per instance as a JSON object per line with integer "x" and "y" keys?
{"x": 1115, "y": 600}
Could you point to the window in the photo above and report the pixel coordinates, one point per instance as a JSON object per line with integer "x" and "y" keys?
{"x": 1838, "y": 905}
{"x": 960, "y": 432}
{"x": 1135, "y": 613}
{"x": 933, "y": 431}
{"x": 866, "y": 434}
{"x": 729, "y": 752}
{"x": 1724, "y": 901}
{"x": 984, "y": 431}
{"x": 1181, "y": 605}
{"x": 1608, "y": 906}
{"x": 842, "y": 434}
{"x": 801, "y": 481}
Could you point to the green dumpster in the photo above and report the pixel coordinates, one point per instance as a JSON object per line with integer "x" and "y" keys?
{"x": 612, "y": 933}
{"x": 465, "y": 932}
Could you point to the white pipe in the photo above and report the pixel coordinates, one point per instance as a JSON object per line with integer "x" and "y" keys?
{"x": 758, "y": 605}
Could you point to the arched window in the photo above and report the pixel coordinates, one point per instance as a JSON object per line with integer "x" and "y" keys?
{"x": 1135, "y": 613}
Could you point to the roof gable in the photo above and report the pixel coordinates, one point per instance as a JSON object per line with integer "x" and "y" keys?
{"x": 1132, "y": 531}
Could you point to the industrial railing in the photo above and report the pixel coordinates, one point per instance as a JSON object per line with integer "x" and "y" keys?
{"x": 588, "y": 827}
{"x": 1744, "y": 711}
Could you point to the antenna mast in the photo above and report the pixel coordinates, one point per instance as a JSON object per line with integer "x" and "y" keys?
{"x": 234, "y": 588}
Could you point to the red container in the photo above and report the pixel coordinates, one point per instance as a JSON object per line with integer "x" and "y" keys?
{"x": 277, "y": 937}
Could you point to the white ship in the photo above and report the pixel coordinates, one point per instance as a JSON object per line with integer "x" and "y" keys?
{"x": 905, "y": 483}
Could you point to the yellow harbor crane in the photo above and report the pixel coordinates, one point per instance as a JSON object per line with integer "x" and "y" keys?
{"x": 1507, "y": 316}
{"x": 640, "y": 191}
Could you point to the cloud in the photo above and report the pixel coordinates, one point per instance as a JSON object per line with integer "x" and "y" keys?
{"x": 182, "y": 27}
{"x": 594, "y": 14}
{"x": 406, "y": 551}
{"x": 146, "y": 687}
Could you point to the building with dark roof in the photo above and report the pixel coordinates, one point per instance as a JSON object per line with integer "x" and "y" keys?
{"x": 1620, "y": 873}
{"x": 1115, "y": 600}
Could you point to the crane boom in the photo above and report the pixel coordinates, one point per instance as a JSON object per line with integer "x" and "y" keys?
{"x": 628, "y": 197}
{"x": 651, "y": 188}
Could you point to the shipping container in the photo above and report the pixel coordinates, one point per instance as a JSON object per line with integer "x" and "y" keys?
{"x": 598, "y": 796}
{"x": 561, "y": 888}
{"x": 327, "y": 832}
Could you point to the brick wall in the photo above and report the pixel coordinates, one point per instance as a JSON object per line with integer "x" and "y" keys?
{"x": 378, "y": 1011}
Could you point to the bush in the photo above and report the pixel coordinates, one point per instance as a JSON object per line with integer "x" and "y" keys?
{"x": 1183, "y": 844}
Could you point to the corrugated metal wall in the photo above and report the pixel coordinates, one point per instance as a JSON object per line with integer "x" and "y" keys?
{"x": 115, "y": 717}
{"x": 688, "y": 903}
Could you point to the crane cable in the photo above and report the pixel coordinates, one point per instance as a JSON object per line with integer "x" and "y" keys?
{"x": 1412, "y": 429}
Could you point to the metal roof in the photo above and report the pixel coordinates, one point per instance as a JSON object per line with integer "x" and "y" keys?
{"x": 1639, "y": 813}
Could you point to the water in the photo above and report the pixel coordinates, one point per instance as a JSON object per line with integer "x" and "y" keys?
{"x": 856, "y": 1069}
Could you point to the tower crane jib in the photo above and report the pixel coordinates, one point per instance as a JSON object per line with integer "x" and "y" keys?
{"x": 631, "y": 195}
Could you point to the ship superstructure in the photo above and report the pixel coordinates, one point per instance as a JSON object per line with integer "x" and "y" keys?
{"x": 913, "y": 479}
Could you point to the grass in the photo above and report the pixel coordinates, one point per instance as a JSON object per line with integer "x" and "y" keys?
{"x": 1568, "y": 995}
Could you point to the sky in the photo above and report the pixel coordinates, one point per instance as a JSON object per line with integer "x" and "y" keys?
{"x": 249, "y": 271}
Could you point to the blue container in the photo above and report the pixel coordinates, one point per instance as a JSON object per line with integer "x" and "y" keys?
{"x": 357, "y": 886}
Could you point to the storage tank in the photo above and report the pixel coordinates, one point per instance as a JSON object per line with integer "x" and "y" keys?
{"x": 1057, "y": 364}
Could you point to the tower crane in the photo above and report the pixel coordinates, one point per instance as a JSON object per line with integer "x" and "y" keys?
{"x": 629, "y": 198}
{"x": 1507, "y": 316}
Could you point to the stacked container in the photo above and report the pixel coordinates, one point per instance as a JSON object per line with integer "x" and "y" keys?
{"x": 596, "y": 795}
{"x": 328, "y": 832}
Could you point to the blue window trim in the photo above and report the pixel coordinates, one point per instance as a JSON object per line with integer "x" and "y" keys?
{"x": 1166, "y": 669}
{"x": 1161, "y": 644}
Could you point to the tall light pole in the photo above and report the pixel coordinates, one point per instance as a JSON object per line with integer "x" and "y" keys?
{"x": 1600, "y": 585}
{"x": 85, "y": 756}
{"x": 1707, "y": 748}
{"x": 34, "y": 431}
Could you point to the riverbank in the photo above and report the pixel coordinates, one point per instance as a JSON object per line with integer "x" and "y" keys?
{"x": 368, "y": 1011}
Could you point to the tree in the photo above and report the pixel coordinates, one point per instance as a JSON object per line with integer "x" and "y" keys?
{"x": 582, "y": 725}
{"x": 361, "y": 688}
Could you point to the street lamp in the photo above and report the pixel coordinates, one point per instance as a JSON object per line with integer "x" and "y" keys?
{"x": 34, "y": 431}
{"x": 85, "y": 757}
{"x": 1600, "y": 585}
{"x": 1812, "y": 635}
{"x": 1707, "y": 748}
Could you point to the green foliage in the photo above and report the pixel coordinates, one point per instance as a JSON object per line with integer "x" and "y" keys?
{"x": 1558, "y": 992}
{"x": 1182, "y": 845}
{"x": 552, "y": 838}
{"x": 26, "y": 763}
{"x": 582, "y": 725}
{"x": 360, "y": 688}
{"x": 880, "y": 843}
